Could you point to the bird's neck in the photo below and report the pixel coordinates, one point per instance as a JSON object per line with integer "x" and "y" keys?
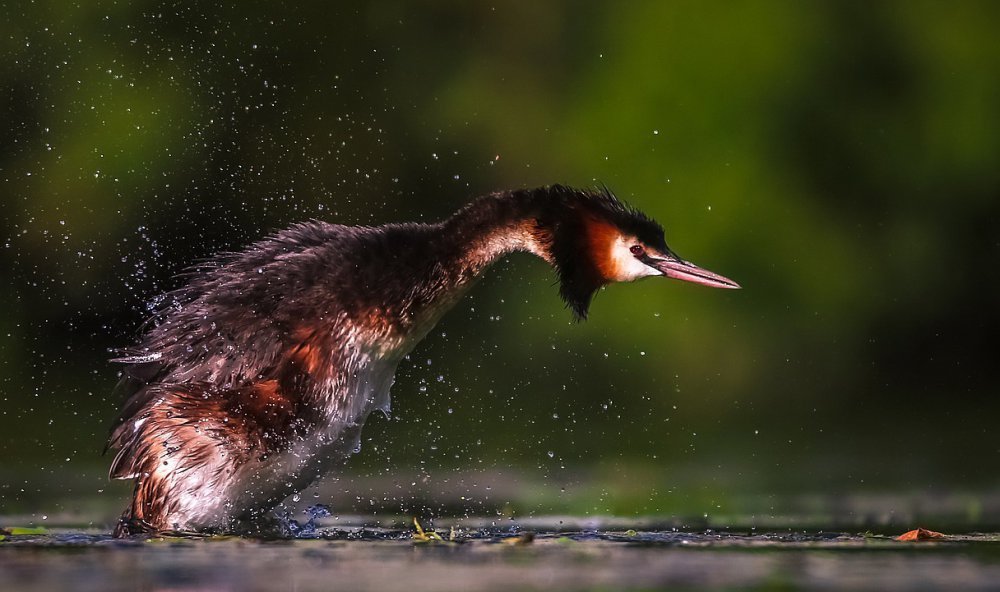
{"x": 447, "y": 258}
{"x": 451, "y": 255}
{"x": 497, "y": 224}
{"x": 549, "y": 222}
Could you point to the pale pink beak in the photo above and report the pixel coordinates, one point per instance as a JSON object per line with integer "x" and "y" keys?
{"x": 679, "y": 269}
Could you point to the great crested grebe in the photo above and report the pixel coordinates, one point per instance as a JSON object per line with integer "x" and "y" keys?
{"x": 258, "y": 374}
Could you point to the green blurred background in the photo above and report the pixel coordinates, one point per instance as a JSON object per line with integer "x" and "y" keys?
{"x": 839, "y": 159}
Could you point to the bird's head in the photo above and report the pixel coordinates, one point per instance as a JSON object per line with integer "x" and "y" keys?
{"x": 596, "y": 239}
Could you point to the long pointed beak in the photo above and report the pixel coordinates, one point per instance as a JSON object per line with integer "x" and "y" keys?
{"x": 678, "y": 269}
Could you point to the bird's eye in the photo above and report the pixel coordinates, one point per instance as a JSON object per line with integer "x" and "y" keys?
{"x": 637, "y": 250}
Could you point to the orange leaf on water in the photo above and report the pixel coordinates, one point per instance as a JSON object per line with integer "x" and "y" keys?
{"x": 920, "y": 534}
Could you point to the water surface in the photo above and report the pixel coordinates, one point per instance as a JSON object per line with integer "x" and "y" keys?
{"x": 541, "y": 553}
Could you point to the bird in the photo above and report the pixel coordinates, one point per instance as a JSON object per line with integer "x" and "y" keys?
{"x": 255, "y": 376}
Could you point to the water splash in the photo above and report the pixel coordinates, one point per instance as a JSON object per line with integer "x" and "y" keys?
{"x": 293, "y": 528}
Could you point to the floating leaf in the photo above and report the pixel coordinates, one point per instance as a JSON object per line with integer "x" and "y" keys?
{"x": 921, "y": 534}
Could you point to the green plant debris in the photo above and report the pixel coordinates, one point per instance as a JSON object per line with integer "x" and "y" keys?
{"x": 22, "y": 530}
{"x": 525, "y": 538}
{"x": 426, "y": 537}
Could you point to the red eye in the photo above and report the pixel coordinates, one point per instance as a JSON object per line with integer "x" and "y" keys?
{"x": 637, "y": 250}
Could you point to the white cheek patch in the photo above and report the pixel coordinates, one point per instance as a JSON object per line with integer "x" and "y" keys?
{"x": 627, "y": 267}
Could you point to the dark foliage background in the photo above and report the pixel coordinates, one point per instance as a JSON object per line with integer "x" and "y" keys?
{"x": 839, "y": 159}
